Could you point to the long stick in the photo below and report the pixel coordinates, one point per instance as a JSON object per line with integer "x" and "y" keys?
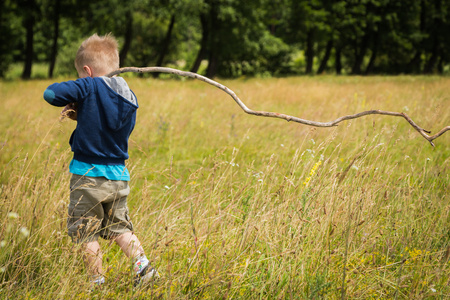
{"x": 288, "y": 118}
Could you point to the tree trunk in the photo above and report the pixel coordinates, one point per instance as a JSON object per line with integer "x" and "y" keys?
{"x": 414, "y": 65}
{"x": 3, "y": 41}
{"x": 165, "y": 45}
{"x": 29, "y": 28}
{"x": 431, "y": 63}
{"x": 128, "y": 39}
{"x": 214, "y": 40}
{"x": 373, "y": 57}
{"x": 326, "y": 57}
{"x": 359, "y": 55}
{"x": 203, "y": 44}
{"x": 440, "y": 66}
{"x": 211, "y": 71}
{"x": 435, "y": 51}
{"x": 338, "y": 62}
{"x": 309, "y": 51}
{"x": 54, "y": 51}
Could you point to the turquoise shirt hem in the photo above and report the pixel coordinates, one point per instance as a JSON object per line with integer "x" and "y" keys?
{"x": 111, "y": 172}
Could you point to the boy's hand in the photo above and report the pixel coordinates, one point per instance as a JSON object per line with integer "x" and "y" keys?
{"x": 70, "y": 111}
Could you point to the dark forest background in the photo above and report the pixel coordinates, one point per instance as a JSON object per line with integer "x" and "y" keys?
{"x": 232, "y": 38}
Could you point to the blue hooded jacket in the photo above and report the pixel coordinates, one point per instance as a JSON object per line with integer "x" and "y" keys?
{"x": 106, "y": 116}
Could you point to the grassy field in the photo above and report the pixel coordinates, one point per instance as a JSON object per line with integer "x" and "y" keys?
{"x": 230, "y": 205}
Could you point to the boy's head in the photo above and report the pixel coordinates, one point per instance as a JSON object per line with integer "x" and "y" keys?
{"x": 97, "y": 56}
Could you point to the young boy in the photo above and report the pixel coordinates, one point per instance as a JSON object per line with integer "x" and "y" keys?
{"x": 106, "y": 114}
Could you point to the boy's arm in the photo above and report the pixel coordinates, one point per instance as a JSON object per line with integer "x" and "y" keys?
{"x": 64, "y": 93}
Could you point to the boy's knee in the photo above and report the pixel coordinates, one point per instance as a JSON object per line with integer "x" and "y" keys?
{"x": 91, "y": 248}
{"x": 84, "y": 229}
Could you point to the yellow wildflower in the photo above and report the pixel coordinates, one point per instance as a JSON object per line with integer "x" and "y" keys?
{"x": 312, "y": 173}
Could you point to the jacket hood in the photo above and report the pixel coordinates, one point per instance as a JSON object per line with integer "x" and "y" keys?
{"x": 120, "y": 104}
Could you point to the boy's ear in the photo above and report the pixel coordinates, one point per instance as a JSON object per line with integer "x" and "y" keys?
{"x": 88, "y": 70}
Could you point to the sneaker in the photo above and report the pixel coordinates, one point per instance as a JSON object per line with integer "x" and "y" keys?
{"x": 96, "y": 283}
{"x": 147, "y": 274}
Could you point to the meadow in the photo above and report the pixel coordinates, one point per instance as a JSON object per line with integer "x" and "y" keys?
{"x": 229, "y": 205}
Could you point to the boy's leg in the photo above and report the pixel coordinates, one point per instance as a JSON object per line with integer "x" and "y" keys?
{"x": 93, "y": 258}
{"x": 117, "y": 226}
{"x": 130, "y": 245}
{"x": 84, "y": 221}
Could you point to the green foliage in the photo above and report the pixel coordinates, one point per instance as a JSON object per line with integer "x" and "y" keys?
{"x": 11, "y": 32}
{"x": 239, "y": 38}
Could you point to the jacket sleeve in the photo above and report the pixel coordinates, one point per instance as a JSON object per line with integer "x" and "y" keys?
{"x": 61, "y": 94}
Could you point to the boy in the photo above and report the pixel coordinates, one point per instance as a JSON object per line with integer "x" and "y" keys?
{"x": 105, "y": 110}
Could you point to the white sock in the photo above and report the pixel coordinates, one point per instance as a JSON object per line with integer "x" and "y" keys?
{"x": 140, "y": 263}
{"x": 98, "y": 279}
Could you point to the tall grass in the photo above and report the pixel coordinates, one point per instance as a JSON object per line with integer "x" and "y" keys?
{"x": 233, "y": 206}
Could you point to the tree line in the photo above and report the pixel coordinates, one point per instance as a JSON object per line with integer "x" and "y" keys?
{"x": 231, "y": 38}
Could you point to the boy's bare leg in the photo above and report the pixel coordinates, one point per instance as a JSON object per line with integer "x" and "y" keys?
{"x": 93, "y": 258}
{"x": 130, "y": 245}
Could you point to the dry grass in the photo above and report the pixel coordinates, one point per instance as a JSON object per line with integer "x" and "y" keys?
{"x": 234, "y": 206}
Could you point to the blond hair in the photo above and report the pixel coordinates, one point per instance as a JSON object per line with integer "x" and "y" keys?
{"x": 101, "y": 53}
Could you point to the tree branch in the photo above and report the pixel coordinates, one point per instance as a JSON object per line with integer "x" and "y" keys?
{"x": 288, "y": 118}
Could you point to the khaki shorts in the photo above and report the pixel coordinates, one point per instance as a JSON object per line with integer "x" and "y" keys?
{"x": 98, "y": 207}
